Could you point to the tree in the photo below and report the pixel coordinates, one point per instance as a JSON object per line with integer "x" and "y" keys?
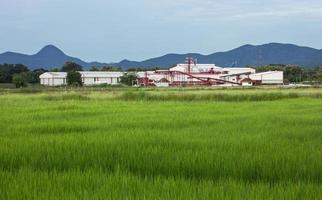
{"x": 293, "y": 73}
{"x": 319, "y": 75}
{"x": 33, "y": 76}
{"x": 74, "y": 78}
{"x": 5, "y": 74}
{"x": 110, "y": 69}
{"x": 56, "y": 69}
{"x": 20, "y": 80}
{"x": 128, "y": 79}
{"x": 19, "y": 68}
{"x": 71, "y": 66}
{"x": 8, "y": 70}
{"x": 94, "y": 68}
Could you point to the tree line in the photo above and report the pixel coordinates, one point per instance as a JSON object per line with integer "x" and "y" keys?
{"x": 19, "y": 74}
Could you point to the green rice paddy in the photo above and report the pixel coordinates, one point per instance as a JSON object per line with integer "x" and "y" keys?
{"x": 161, "y": 144}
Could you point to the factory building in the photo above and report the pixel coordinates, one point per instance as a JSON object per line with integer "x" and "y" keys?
{"x": 191, "y": 73}
{"x": 88, "y": 78}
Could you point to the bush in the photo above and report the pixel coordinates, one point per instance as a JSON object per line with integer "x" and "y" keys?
{"x": 128, "y": 79}
{"x": 20, "y": 80}
{"x": 74, "y": 78}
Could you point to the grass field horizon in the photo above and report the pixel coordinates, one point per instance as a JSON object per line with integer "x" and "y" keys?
{"x": 161, "y": 144}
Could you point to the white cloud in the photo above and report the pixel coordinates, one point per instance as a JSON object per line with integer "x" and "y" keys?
{"x": 212, "y": 10}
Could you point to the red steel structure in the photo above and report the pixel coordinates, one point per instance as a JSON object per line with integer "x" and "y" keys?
{"x": 200, "y": 79}
{"x": 190, "y": 78}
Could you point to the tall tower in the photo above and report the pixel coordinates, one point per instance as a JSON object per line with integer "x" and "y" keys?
{"x": 189, "y": 61}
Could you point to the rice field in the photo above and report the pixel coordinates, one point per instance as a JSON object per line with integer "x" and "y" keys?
{"x": 161, "y": 144}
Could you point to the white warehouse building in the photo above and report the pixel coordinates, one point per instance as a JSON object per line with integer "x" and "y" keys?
{"x": 96, "y": 78}
{"x": 53, "y": 78}
{"x": 270, "y": 77}
{"x": 88, "y": 78}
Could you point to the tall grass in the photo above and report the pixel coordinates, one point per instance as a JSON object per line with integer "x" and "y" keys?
{"x": 83, "y": 145}
{"x": 146, "y": 96}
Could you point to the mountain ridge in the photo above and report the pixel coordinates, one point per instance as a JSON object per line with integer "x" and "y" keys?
{"x": 254, "y": 55}
{"x": 246, "y": 55}
{"x": 47, "y": 57}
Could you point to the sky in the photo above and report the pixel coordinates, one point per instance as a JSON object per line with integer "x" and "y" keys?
{"x": 113, "y": 30}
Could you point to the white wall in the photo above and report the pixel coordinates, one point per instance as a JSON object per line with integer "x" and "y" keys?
{"x": 247, "y": 83}
{"x": 273, "y": 77}
{"x": 198, "y": 68}
{"x": 230, "y": 78}
{"x": 52, "y": 81}
{"x": 100, "y": 80}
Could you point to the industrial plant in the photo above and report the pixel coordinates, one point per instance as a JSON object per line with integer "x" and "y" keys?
{"x": 188, "y": 74}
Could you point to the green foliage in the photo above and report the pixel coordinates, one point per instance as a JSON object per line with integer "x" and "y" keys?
{"x": 71, "y": 66}
{"x": 56, "y": 69}
{"x": 7, "y": 73}
{"x": 20, "y": 80}
{"x": 318, "y": 75}
{"x": 81, "y": 145}
{"x": 106, "y": 69}
{"x": 33, "y": 76}
{"x": 8, "y": 70}
{"x": 19, "y": 68}
{"x": 94, "y": 68}
{"x": 194, "y": 97}
{"x": 65, "y": 97}
{"x": 111, "y": 69}
{"x": 74, "y": 78}
{"x": 128, "y": 79}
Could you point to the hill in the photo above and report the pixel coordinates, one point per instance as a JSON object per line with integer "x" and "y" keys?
{"x": 48, "y": 57}
{"x": 272, "y": 53}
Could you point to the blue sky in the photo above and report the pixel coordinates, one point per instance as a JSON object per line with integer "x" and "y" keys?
{"x": 109, "y": 31}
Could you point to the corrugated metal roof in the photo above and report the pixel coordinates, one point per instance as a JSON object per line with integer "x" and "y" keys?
{"x": 93, "y": 74}
{"x": 268, "y": 72}
{"x": 53, "y": 75}
{"x": 85, "y": 74}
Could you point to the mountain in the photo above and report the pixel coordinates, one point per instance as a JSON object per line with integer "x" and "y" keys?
{"x": 48, "y": 57}
{"x": 272, "y": 53}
